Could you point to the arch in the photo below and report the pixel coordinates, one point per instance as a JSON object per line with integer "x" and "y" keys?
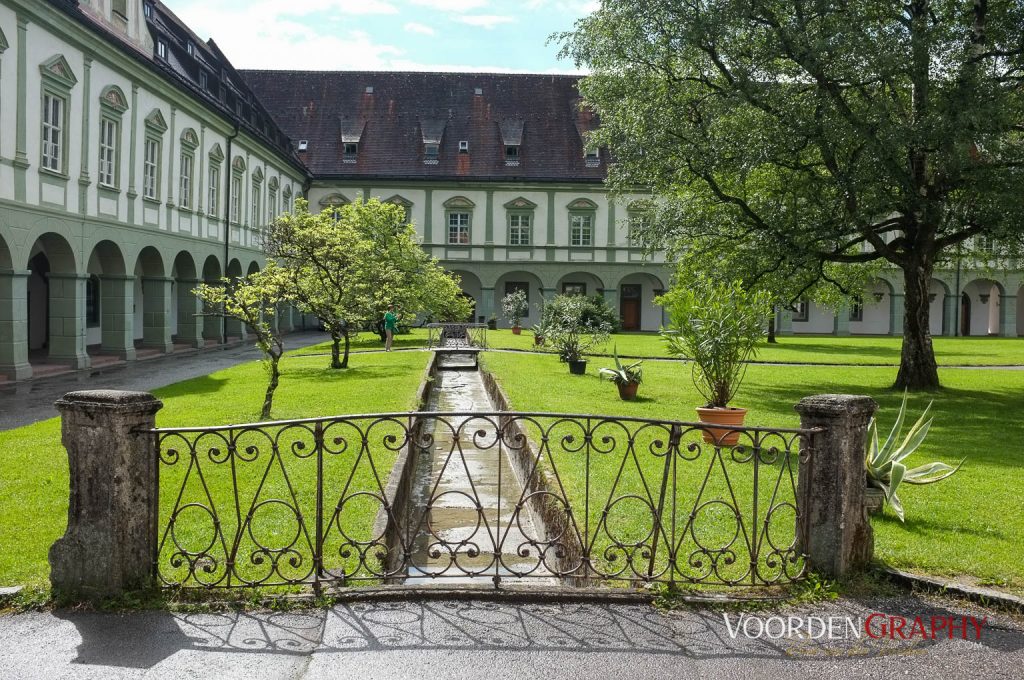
{"x": 213, "y": 326}
{"x": 572, "y": 282}
{"x": 876, "y": 309}
{"x": 113, "y": 97}
{"x": 938, "y": 309}
{"x": 238, "y": 165}
{"x": 56, "y": 302}
{"x": 106, "y": 258}
{"x": 254, "y": 268}
{"x": 472, "y": 289}
{"x": 153, "y": 289}
{"x": 635, "y": 302}
{"x": 58, "y": 252}
{"x": 211, "y": 269}
{"x": 150, "y": 263}
{"x": 184, "y": 267}
{"x": 335, "y": 199}
{"x": 980, "y": 302}
{"x": 108, "y": 302}
{"x": 186, "y": 326}
{"x": 6, "y": 261}
{"x": 534, "y": 295}
{"x": 234, "y": 269}
{"x": 582, "y": 204}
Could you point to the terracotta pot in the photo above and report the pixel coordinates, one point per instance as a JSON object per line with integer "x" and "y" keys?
{"x": 722, "y": 416}
{"x": 627, "y": 391}
{"x": 578, "y": 367}
{"x": 538, "y": 340}
{"x": 516, "y": 330}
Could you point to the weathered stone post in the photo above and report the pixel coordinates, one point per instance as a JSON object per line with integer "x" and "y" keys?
{"x": 833, "y": 527}
{"x": 110, "y": 541}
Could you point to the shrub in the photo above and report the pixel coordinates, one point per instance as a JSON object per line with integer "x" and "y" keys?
{"x": 514, "y": 306}
{"x": 570, "y": 329}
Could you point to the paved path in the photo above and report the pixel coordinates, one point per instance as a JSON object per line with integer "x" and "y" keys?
{"x": 31, "y": 401}
{"x": 482, "y": 640}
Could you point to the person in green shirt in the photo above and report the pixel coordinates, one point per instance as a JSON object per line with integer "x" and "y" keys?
{"x": 390, "y": 323}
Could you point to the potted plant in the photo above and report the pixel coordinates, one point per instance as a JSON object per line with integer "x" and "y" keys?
{"x": 514, "y": 306}
{"x": 884, "y": 464}
{"x": 571, "y": 331}
{"x": 626, "y": 377}
{"x": 717, "y": 326}
{"x": 538, "y": 334}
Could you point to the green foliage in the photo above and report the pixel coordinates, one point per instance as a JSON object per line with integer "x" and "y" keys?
{"x": 885, "y": 467}
{"x": 594, "y": 312}
{"x": 515, "y": 306}
{"x": 788, "y": 141}
{"x": 623, "y": 374}
{"x": 572, "y": 327}
{"x": 717, "y": 326}
{"x": 347, "y": 264}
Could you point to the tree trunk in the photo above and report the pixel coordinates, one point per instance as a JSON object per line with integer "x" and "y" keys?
{"x": 918, "y": 369}
{"x": 275, "y": 375}
{"x": 348, "y": 345}
{"x": 336, "y": 351}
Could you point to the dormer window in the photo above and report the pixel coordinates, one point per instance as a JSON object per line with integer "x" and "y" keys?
{"x": 464, "y": 146}
{"x": 512, "y": 154}
{"x": 119, "y": 14}
{"x": 303, "y": 144}
{"x": 147, "y": 9}
{"x": 351, "y": 152}
{"x": 190, "y": 48}
{"x": 161, "y": 49}
{"x": 203, "y": 81}
{"x": 592, "y": 158}
{"x": 430, "y": 153}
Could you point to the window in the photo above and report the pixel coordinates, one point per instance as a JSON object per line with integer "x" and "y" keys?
{"x": 256, "y": 217}
{"x": 203, "y": 81}
{"x": 190, "y": 48}
{"x": 592, "y": 158}
{"x": 151, "y": 170}
{"x": 53, "y": 132}
{"x": 147, "y": 9}
{"x": 430, "y": 153}
{"x": 161, "y": 49}
{"x": 519, "y": 229}
{"x": 236, "y": 198}
{"x": 581, "y": 230}
{"x": 213, "y": 192}
{"x": 92, "y": 301}
{"x": 574, "y": 289}
{"x": 108, "y": 152}
{"x": 513, "y": 286}
{"x": 458, "y": 228}
{"x": 464, "y": 146}
{"x": 287, "y": 200}
{"x": 802, "y": 311}
{"x": 512, "y": 154}
{"x": 185, "y": 183}
{"x": 857, "y": 309}
{"x": 351, "y": 152}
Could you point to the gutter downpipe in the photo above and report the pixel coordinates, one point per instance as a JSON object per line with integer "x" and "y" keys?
{"x": 227, "y": 217}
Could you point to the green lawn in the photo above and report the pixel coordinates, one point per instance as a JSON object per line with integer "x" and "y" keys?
{"x": 971, "y": 524}
{"x": 34, "y": 487}
{"x": 416, "y": 338}
{"x": 815, "y": 349}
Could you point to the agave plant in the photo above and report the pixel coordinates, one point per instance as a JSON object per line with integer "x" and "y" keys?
{"x": 885, "y": 466}
{"x": 623, "y": 374}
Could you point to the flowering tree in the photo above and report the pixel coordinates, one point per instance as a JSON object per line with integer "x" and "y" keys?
{"x": 514, "y": 306}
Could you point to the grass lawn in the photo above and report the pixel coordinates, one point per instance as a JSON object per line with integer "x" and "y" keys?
{"x": 969, "y": 525}
{"x": 34, "y": 482}
{"x": 815, "y": 349}
{"x": 416, "y": 338}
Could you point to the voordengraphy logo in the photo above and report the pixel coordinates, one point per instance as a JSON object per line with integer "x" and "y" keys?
{"x": 875, "y": 626}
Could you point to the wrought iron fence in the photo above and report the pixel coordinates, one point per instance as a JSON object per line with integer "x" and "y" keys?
{"x": 456, "y": 336}
{"x": 579, "y": 499}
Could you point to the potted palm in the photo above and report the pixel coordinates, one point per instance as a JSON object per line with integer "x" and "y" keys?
{"x": 571, "y": 331}
{"x": 626, "y": 377}
{"x": 514, "y": 306}
{"x": 716, "y": 326}
{"x": 884, "y": 464}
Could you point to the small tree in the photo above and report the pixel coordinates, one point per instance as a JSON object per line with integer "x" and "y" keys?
{"x": 253, "y": 300}
{"x": 514, "y": 306}
{"x": 570, "y": 329}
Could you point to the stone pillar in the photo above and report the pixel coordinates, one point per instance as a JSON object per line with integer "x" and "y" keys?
{"x": 949, "y": 304}
{"x": 832, "y": 525}
{"x": 190, "y": 308}
{"x": 67, "y": 320}
{"x": 117, "y": 307}
{"x": 14, "y": 325}
{"x": 785, "y": 326}
{"x": 1008, "y": 316}
{"x": 111, "y": 538}
{"x": 212, "y": 324}
{"x": 841, "y": 324}
{"x": 156, "y": 313}
{"x": 896, "y": 314}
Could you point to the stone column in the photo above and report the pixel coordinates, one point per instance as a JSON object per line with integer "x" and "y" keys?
{"x": 14, "y": 325}
{"x": 156, "y": 313}
{"x": 67, "y": 319}
{"x": 841, "y": 324}
{"x": 190, "y": 308}
{"x": 111, "y": 538}
{"x": 949, "y": 304}
{"x": 117, "y": 308}
{"x": 832, "y": 524}
{"x": 896, "y": 314}
{"x": 1008, "y": 316}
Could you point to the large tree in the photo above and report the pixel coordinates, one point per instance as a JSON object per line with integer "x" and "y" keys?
{"x": 347, "y": 264}
{"x": 823, "y": 132}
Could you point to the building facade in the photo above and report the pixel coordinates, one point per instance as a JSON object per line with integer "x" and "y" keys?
{"x": 135, "y": 161}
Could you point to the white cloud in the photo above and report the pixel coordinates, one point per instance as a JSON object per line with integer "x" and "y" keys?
{"x": 451, "y": 5}
{"x": 487, "y": 21}
{"x": 413, "y": 27}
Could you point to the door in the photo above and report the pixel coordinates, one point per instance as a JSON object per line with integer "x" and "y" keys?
{"x": 629, "y": 307}
{"x": 965, "y": 315}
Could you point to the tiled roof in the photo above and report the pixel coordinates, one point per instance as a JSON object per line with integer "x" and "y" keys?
{"x": 394, "y": 114}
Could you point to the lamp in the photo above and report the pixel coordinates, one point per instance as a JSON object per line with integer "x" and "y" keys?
{"x": 879, "y": 296}
{"x": 984, "y": 298}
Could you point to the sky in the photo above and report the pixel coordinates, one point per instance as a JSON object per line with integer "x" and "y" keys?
{"x": 394, "y": 35}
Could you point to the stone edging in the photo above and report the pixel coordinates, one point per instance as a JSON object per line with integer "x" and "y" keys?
{"x": 983, "y": 596}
